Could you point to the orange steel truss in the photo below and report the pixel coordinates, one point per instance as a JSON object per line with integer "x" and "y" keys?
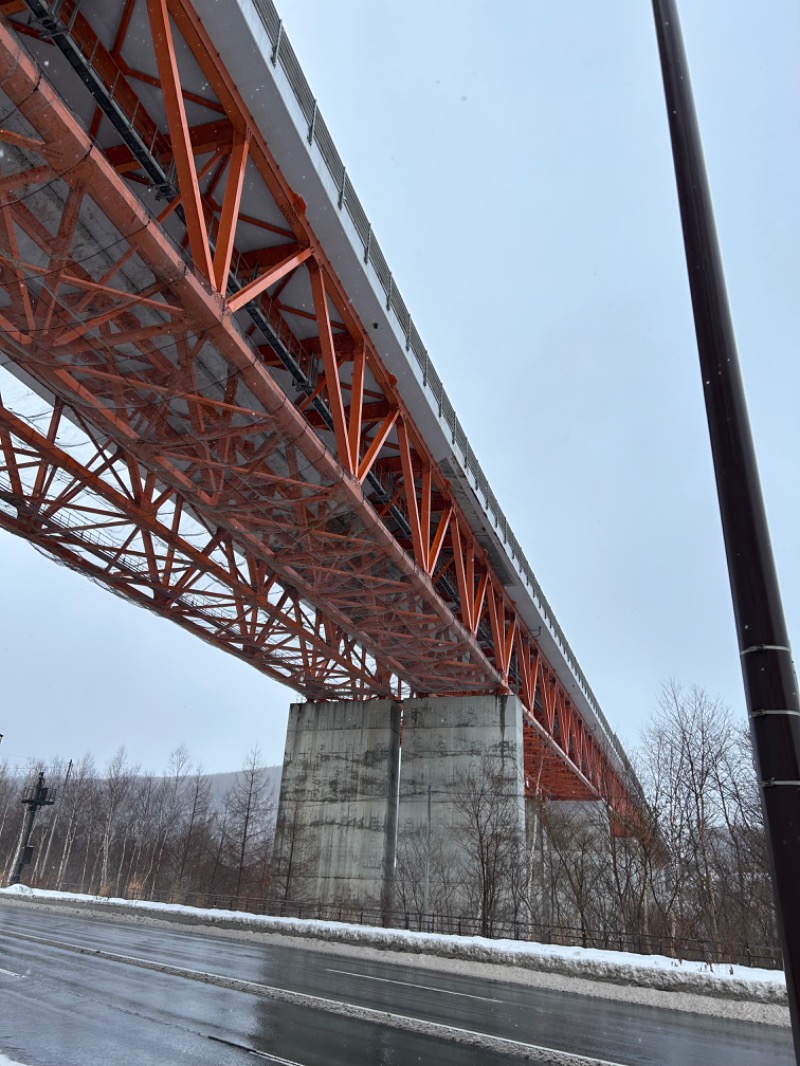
{"x": 245, "y": 463}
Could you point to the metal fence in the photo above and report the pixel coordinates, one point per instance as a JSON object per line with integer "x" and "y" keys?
{"x": 695, "y": 949}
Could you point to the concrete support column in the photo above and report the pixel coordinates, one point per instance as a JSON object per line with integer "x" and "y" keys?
{"x": 462, "y": 783}
{"x": 446, "y": 739}
{"x": 336, "y": 834}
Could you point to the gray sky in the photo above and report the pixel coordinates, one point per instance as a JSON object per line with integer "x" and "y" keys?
{"x": 514, "y": 161}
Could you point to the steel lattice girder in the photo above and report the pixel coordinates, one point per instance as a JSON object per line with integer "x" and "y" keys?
{"x": 184, "y": 370}
{"x": 100, "y": 515}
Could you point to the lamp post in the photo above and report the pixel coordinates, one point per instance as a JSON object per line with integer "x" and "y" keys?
{"x": 769, "y": 677}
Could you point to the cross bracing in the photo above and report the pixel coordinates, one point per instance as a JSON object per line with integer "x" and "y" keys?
{"x": 164, "y": 291}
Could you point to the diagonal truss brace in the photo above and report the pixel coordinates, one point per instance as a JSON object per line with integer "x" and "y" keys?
{"x": 105, "y": 517}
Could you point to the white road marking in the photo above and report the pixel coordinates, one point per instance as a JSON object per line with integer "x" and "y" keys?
{"x": 274, "y": 1058}
{"x": 334, "y": 1006}
{"x": 521, "y": 1043}
{"x": 252, "y": 1051}
{"x": 410, "y": 984}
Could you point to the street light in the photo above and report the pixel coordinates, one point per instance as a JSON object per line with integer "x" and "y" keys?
{"x": 769, "y": 678}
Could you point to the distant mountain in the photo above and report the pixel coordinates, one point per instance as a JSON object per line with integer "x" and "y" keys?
{"x": 222, "y": 783}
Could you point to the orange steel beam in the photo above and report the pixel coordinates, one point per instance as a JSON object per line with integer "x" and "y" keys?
{"x": 403, "y": 574}
{"x": 376, "y": 444}
{"x": 332, "y": 381}
{"x": 179, "y": 135}
{"x": 101, "y": 516}
{"x": 110, "y": 410}
{"x": 412, "y": 506}
{"x": 355, "y": 415}
{"x": 269, "y": 277}
{"x": 230, "y": 209}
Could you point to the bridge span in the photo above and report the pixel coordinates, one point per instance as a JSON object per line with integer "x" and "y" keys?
{"x": 215, "y": 401}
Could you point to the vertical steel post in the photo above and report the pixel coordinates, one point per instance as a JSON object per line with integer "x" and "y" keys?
{"x": 426, "y": 896}
{"x": 25, "y": 836}
{"x": 769, "y": 678}
{"x": 392, "y": 816}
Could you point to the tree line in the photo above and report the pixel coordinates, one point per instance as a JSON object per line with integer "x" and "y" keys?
{"x": 690, "y": 873}
{"x": 121, "y": 832}
{"x": 692, "y": 868}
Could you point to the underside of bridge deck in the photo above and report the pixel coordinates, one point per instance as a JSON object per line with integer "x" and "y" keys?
{"x": 217, "y": 437}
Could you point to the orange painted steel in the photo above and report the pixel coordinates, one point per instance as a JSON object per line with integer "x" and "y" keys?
{"x": 340, "y": 559}
{"x": 101, "y": 516}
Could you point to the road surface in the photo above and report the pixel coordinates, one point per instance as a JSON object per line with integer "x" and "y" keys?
{"x": 86, "y": 991}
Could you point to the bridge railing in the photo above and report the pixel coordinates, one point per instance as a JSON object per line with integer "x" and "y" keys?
{"x": 283, "y": 55}
{"x": 696, "y": 949}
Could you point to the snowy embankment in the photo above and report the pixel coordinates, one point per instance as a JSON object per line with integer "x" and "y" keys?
{"x": 618, "y": 968}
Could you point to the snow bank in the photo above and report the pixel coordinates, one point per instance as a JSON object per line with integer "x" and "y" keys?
{"x": 622, "y": 968}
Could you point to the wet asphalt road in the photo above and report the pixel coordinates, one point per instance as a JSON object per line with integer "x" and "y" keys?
{"x": 62, "y": 1008}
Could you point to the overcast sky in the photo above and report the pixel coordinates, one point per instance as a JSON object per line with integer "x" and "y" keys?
{"x": 514, "y": 161}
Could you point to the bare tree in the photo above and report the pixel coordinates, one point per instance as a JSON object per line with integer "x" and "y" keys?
{"x": 581, "y": 868}
{"x": 10, "y": 816}
{"x": 697, "y": 773}
{"x": 428, "y": 859}
{"x": 116, "y": 787}
{"x": 296, "y": 857}
{"x": 194, "y": 840}
{"x": 489, "y": 838}
{"x": 249, "y": 818}
{"x": 74, "y": 800}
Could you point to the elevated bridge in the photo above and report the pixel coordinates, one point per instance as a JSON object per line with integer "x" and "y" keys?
{"x": 219, "y": 405}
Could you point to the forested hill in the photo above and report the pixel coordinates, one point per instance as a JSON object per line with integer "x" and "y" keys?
{"x": 221, "y": 784}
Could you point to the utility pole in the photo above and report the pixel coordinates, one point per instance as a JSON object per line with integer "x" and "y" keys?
{"x": 769, "y": 677}
{"x": 40, "y": 797}
{"x": 427, "y": 890}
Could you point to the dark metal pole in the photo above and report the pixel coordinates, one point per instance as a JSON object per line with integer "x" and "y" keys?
{"x": 41, "y": 797}
{"x": 19, "y": 858}
{"x": 769, "y": 677}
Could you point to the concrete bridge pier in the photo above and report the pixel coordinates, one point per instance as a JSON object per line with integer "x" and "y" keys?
{"x": 336, "y": 832}
{"x": 349, "y": 791}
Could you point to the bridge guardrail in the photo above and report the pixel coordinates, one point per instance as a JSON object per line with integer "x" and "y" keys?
{"x": 284, "y": 55}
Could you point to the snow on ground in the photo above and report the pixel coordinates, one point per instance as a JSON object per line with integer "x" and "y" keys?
{"x": 620, "y": 968}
